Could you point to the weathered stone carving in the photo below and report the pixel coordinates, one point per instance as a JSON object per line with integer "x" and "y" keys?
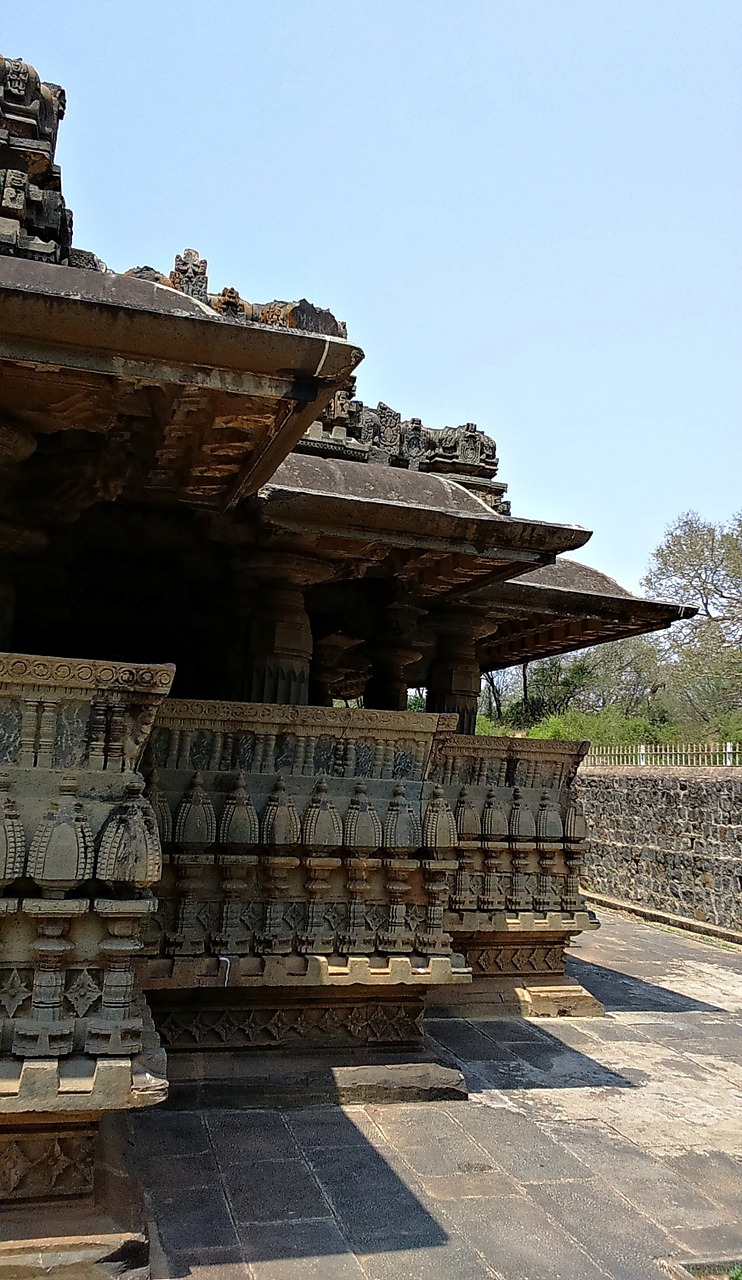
{"x": 350, "y": 429}
{"x": 62, "y": 852}
{"x": 195, "y": 821}
{"x": 128, "y": 843}
{"x": 392, "y": 1022}
{"x": 239, "y": 825}
{"x": 34, "y": 221}
{"x": 320, "y": 825}
{"x": 57, "y": 1162}
{"x": 12, "y": 836}
{"x": 402, "y": 825}
{"x": 281, "y": 824}
{"x": 439, "y": 827}
{"x": 362, "y": 826}
{"x": 467, "y": 847}
{"x": 189, "y": 275}
{"x": 70, "y": 735}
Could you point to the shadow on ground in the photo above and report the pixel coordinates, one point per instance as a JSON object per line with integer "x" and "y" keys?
{"x": 621, "y": 993}
{"x": 503, "y": 1054}
{"x": 273, "y": 1186}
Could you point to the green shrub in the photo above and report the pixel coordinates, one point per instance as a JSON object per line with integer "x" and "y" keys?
{"x": 603, "y": 728}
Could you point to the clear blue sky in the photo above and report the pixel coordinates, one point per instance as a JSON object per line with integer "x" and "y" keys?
{"x": 527, "y": 211}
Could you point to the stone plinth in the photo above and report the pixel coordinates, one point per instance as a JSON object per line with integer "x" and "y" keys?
{"x": 516, "y": 901}
{"x": 354, "y": 853}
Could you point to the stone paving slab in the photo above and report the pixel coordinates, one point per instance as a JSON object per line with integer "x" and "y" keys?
{"x": 588, "y": 1149}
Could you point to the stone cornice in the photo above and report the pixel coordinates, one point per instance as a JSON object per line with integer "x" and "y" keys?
{"x": 62, "y": 675}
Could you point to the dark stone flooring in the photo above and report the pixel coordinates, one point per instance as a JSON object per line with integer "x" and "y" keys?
{"x": 589, "y": 1148}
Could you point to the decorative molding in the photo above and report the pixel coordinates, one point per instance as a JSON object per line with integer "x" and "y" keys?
{"x": 523, "y": 959}
{"x": 320, "y": 824}
{"x": 239, "y": 824}
{"x": 367, "y": 1023}
{"x": 439, "y": 827}
{"x": 280, "y": 825}
{"x": 195, "y": 821}
{"x": 68, "y": 674}
{"x": 362, "y": 827}
{"x": 53, "y": 1162}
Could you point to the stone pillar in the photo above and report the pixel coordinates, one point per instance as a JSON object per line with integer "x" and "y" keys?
{"x": 280, "y": 647}
{"x": 453, "y": 676}
{"x": 279, "y": 643}
{"x": 391, "y": 651}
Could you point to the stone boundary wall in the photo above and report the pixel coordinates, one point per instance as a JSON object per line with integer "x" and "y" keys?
{"x": 670, "y": 839}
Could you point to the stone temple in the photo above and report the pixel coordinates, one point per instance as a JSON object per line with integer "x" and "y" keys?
{"x": 221, "y": 830}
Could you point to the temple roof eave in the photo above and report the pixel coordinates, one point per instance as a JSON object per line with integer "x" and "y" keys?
{"x": 532, "y": 620}
{"x": 346, "y": 498}
{"x": 104, "y": 314}
{"x": 217, "y": 405}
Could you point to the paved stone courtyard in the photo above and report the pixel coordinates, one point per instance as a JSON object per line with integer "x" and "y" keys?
{"x": 588, "y": 1149}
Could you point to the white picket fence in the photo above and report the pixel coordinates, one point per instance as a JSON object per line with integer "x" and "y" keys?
{"x": 661, "y": 755}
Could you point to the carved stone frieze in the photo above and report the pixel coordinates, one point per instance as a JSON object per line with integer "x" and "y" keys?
{"x": 73, "y": 820}
{"x": 53, "y": 1161}
{"x": 350, "y": 429}
{"x": 527, "y": 959}
{"x": 371, "y": 867}
{"x": 62, "y": 713}
{"x": 266, "y": 738}
{"x": 279, "y": 1025}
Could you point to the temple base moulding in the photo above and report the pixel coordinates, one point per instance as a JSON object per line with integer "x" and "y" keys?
{"x": 511, "y": 997}
{"x": 515, "y": 977}
{"x": 310, "y": 1019}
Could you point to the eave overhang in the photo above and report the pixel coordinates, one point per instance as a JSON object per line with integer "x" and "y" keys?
{"x": 223, "y": 403}
{"x": 535, "y": 621}
{"x": 349, "y": 505}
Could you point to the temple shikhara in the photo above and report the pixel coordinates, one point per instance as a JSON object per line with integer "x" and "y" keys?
{"x": 221, "y": 829}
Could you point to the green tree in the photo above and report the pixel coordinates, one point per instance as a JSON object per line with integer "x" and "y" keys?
{"x": 699, "y": 562}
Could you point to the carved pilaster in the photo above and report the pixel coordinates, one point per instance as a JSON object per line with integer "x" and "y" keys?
{"x": 433, "y": 941}
{"x": 357, "y": 940}
{"x": 47, "y": 1033}
{"x": 495, "y": 837}
{"x": 275, "y": 938}
{"x": 234, "y": 938}
{"x": 115, "y": 1031}
{"x": 189, "y": 937}
{"x": 398, "y": 937}
{"x": 575, "y": 836}
{"x": 315, "y": 939}
{"x": 549, "y": 836}
{"x": 522, "y": 838}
